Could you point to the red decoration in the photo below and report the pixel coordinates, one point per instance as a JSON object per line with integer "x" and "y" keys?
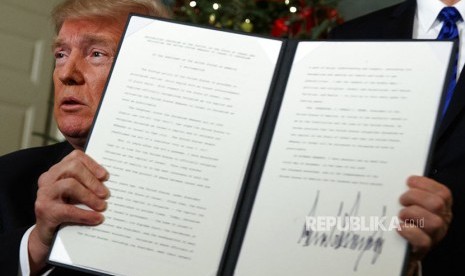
{"x": 304, "y": 21}
{"x": 307, "y": 16}
{"x": 280, "y": 27}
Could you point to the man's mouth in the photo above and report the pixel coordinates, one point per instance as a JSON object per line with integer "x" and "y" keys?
{"x": 71, "y": 104}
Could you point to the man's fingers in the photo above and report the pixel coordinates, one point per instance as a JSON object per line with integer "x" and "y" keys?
{"x": 87, "y": 171}
{"x": 419, "y": 240}
{"x": 75, "y": 215}
{"x": 90, "y": 163}
{"x": 430, "y": 223}
{"x": 73, "y": 192}
{"x": 65, "y": 213}
{"x": 427, "y": 213}
{"x": 81, "y": 167}
{"x": 429, "y": 185}
{"x": 425, "y": 199}
{"x": 50, "y": 200}
{"x": 77, "y": 179}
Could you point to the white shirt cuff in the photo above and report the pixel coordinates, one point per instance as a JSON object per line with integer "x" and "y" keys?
{"x": 23, "y": 269}
{"x": 24, "y": 255}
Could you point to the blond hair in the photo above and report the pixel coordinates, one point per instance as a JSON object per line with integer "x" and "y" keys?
{"x": 107, "y": 9}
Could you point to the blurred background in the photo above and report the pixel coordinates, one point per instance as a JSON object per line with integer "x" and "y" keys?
{"x": 26, "y": 60}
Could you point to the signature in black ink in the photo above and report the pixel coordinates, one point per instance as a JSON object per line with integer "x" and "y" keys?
{"x": 343, "y": 238}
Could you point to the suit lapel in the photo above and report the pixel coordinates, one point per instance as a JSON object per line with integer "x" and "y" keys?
{"x": 456, "y": 106}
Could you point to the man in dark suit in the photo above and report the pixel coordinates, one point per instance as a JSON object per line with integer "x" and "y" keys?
{"x": 39, "y": 187}
{"x": 418, "y": 19}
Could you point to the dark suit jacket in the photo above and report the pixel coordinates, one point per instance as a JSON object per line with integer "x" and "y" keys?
{"x": 19, "y": 172}
{"x": 448, "y": 160}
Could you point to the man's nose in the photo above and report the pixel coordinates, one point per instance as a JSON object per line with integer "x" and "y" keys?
{"x": 71, "y": 71}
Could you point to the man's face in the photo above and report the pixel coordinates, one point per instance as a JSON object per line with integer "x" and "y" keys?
{"x": 84, "y": 51}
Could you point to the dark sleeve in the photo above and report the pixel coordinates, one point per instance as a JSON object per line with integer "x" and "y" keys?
{"x": 16, "y": 212}
{"x": 9, "y": 251}
{"x": 19, "y": 172}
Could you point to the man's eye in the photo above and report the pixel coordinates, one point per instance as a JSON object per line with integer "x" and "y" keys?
{"x": 59, "y": 55}
{"x": 97, "y": 54}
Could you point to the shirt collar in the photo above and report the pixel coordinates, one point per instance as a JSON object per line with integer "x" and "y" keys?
{"x": 428, "y": 10}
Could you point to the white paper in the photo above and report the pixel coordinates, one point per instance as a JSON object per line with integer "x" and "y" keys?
{"x": 175, "y": 131}
{"x": 356, "y": 120}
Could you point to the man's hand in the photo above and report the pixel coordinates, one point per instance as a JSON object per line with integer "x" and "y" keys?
{"x": 77, "y": 179}
{"x": 430, "y": 202}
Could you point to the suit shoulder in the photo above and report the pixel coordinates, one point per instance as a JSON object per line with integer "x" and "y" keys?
{"x": 375, "y": 17}
{"x": 33, "y": 159}
{"x": 374, "y": 24}
{"x": 55, "y": 148}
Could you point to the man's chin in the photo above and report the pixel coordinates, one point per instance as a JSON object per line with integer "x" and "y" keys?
{"x": 76, "y": 136}
{"x": 77, "y": 142}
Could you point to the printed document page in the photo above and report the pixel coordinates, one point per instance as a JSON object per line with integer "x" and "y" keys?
{"x": 356, "y": 121}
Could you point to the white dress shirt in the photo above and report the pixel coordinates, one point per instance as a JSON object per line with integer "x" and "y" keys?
{"x": 427, "y": 26}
